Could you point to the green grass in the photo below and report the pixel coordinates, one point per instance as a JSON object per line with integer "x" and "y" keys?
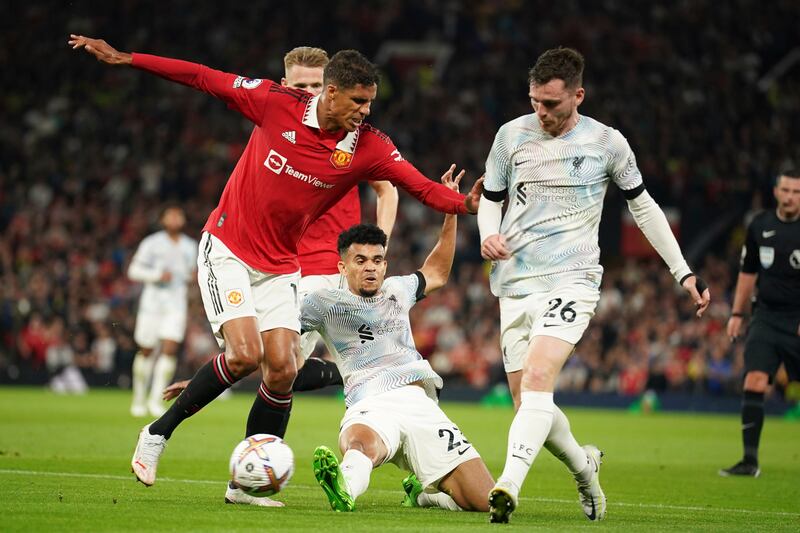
{"x": 64, "y": 465}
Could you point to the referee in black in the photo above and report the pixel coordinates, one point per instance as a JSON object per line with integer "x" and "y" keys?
{"x": 770, "y": 262}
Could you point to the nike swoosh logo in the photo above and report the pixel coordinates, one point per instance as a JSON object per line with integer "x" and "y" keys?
{"x": 594, "y": 511}
{"x": 748, "y": 426}
{"x": 551, "y": 325}
{"x": 525, "y": 460}
{"x": 768, "y": 234}
{"x": 518, "y": 163}
{"x": 462, "y": 452}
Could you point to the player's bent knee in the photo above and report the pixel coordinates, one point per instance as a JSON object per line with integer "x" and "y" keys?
{"x": 244, "y": 358}
{"x": 537, "y": 377}
{"x": 468, "y": 485}
{"x": 242, "y": 367}
{"x": 363, "y": 439}
{"x": 756, "y": 381}
{"x": 282, "y": 378}
{"x": 375, "y": 452}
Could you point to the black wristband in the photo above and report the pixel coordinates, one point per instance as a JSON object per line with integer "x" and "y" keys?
{"x": 740, "y": 315}
{"x": 699, "y": 283}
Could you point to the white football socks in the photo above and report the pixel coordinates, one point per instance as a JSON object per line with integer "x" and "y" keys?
{"x": 163, "y": 373}
{"x": 526, "y": 436}
{"x": 561, "y": 443}
{"x": 356, "y": 469}
{"x": 438, "y": 499}
{"x": 142, "y": 371}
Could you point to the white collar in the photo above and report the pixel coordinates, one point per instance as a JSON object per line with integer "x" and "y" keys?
{"x": 310, "y": 115}
{"x": 347, "y": 144}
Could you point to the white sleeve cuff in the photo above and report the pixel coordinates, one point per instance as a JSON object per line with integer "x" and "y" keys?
{"x": 490, "y": 214}
{"x": 653, "y": 223}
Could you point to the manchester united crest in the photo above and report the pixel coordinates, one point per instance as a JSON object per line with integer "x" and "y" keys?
{"x": 234, "y": 297}
{"x": 341, "y": 159}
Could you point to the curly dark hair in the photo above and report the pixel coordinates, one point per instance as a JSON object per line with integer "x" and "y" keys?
{"x": 348, "y": 68}
{"x": 360, "y": 234}
{"x": 558, "y": 64}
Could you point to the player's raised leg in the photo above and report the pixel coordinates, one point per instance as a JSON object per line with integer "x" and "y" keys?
{"x": 582, "y": 462}
{"x": 241, "y": 357}
{"x": 362, "y": 449}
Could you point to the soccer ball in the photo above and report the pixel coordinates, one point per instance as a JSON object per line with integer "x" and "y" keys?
{"x": 261, "y": 465}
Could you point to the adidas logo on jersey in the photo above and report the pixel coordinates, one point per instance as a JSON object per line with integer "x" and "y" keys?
{"x": 365, "y": 334}
{"x": 289, "y": 136}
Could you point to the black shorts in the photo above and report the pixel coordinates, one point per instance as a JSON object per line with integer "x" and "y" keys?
{"x": 772, "y": 339}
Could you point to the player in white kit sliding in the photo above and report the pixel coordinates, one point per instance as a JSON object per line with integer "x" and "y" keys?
{"x": 391, "y": 393}
{"x": 165, "y": 263}
{"x": 554, "y": 166}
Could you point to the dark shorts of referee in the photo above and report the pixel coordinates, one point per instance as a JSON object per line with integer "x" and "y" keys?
{"x": 773, "y": 338}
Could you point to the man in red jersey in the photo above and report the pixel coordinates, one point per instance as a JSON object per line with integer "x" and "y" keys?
{"x": 317, "y": 249}
{"x": 304, "y": 154}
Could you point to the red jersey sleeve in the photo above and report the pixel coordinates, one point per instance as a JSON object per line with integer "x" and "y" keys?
{"x": 248, "y": 96}
{"x": 391, "y": 166}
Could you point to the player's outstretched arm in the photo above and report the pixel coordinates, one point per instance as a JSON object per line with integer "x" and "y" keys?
{"x": 436, "y": 269}
{"x": 396, "y": 169}
{"x": 238, "y": 92}
{"x": 439, "y": 262}
{"x": 100, "y": 49}
{"x": 386, "y": 208}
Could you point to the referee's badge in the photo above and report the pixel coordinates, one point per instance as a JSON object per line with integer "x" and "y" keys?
{"x": 767, "y": 255}
{"x": 794, "y": 259}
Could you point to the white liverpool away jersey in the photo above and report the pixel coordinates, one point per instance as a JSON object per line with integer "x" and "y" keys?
{"x": 371, "y": 337}
{"x": 555, "y": 191}
{"x": 158, "y": 253}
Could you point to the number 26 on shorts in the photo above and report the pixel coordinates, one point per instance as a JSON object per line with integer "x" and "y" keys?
{"x": 555, "y": 309}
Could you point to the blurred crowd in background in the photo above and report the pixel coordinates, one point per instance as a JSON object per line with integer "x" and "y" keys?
{"x": 89, "y": 154}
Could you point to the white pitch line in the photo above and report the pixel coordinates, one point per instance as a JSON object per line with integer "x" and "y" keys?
{"x": 308, "y": 487}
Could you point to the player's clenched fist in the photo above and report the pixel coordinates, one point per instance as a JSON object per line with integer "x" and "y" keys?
{"x": 495, "y": 248}
{"x": 99, "y": 49}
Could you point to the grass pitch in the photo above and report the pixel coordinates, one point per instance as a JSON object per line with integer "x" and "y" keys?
{"x": 64, "y": 466}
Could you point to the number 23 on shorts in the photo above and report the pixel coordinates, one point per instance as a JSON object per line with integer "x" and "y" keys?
{"x": 454, "y": 438}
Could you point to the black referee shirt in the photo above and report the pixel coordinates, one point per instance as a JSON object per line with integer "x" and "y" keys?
{"x": 772, "y": 250}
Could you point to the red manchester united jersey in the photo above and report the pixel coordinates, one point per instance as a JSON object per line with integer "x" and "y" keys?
{"x": 316, "y": 250}
{"x": 291, "y": 171}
